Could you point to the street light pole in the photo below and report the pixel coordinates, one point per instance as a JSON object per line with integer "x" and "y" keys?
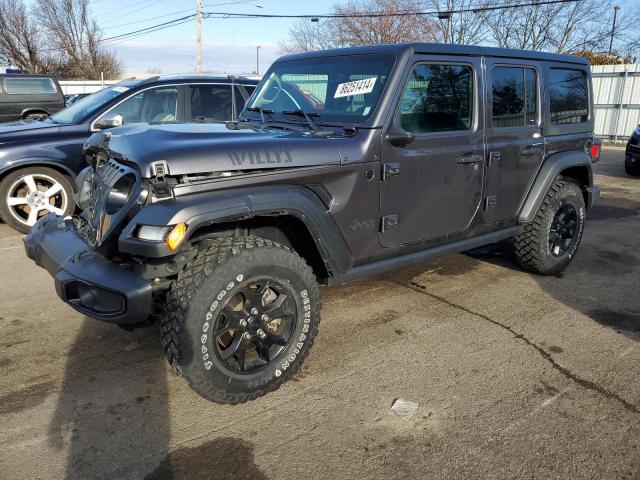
{"x": 613, "y": 28}
{"x": 257, "y": 59}
{"x": 199, "y": 37}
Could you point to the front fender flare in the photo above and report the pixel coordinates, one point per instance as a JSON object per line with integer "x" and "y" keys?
{"x": 203, "y": 209}
{"x": 36, "y": 162}
{"x": 551, "y": 168}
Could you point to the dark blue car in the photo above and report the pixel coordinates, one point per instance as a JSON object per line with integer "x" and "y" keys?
{"x": 632, "y": 154}
{"x": 39, "y": 159}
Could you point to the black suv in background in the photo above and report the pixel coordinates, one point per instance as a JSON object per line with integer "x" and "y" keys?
{"x": 29, "y": 97}
{"x": 632, "y": 154}
{"x": 39, "y": 159}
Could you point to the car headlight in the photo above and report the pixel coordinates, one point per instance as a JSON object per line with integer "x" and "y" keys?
{"x": 119, "y": 194}
{"x": 172, "y": 235}
{"x": 84, "y": 180}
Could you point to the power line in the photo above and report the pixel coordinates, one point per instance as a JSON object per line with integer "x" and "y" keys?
{"x": 479, "y": 9}
{"x": 187, "y": 18}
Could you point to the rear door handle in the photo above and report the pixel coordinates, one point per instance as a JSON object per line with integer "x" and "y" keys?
{"x": 470, "y": 158}
{"x": 531, "y": 150}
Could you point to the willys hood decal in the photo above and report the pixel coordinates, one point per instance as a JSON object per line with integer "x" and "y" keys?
{"x": 200, "y": 148}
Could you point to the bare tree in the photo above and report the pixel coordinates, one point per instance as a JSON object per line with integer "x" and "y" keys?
{"x": 400, "y": 22}
{"x": 307, "y": 36}
{"x": 19, "y": 45}
{"x": 464, "y": 27}
{"x": 75, "y": 38}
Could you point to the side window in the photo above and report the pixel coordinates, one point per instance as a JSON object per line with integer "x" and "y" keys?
{"x": 568, "y": 96}
{"x": 437, "y": 98}
{"x": 156, "y": 105}
{"x": 211, "y": 103}
{"x": 29, "y": 86}
{"x": 514, "y": 95}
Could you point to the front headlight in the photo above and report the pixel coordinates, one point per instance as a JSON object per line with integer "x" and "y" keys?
{"x": 119, "y": 194}
{"x": 172, "y": 235}
{"x": 84, "y": 180}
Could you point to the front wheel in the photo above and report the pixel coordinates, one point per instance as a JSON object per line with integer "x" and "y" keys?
{"x": 550, "y": 241}
{"x": 33, "y": 192}
{"x": 240, "y": 319}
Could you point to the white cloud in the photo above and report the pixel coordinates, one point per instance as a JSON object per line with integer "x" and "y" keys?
{"x": 178, "y": 56}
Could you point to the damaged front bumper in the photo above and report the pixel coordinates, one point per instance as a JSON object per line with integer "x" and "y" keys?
{"x": 84, "y": 279}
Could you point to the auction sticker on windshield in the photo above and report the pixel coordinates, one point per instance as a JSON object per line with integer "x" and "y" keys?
{"x": 357, "y": 87}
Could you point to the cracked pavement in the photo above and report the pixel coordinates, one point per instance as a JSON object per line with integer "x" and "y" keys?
{"x": 515, "y": 375}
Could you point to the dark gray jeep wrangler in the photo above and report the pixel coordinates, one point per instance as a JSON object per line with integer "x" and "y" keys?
{"x": 344, "y": 164}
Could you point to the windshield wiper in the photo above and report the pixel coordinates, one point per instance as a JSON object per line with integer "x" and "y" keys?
{"x": 307, "y": 116}
{"x": 262, "y": 112}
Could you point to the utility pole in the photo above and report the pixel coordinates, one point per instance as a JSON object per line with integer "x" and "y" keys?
{"x": 199, "y": 38}
{"x": 257, "y": 59}
{"x": 613, "y": 28}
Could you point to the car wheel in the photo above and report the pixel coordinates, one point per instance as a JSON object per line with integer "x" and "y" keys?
{"x": 632, "y": 168}
{"x": 240, "y": 319}
{"x": 31, "y": 193}
{"x": 550, "y": 241}
{"x": 35, "y": 116}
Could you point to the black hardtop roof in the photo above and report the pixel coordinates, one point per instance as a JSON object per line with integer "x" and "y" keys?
{"x": 441, "y": 49}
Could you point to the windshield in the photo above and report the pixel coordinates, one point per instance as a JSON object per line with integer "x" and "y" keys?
{"x": 80, "y": 109}
{"x": 341, "y": 89}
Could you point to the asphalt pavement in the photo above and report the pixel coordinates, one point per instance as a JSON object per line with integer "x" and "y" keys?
{"x": 514, "y": 375}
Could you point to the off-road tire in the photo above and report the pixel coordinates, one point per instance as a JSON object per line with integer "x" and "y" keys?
{"x": 9, "y": 180}
{"x": 197, "y": 298}
{"x": 631, "y": 168}
{"x": 532, "y": 246}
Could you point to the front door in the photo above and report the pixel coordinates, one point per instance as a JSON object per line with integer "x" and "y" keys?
{"x": 432, "y": 186}
{"x": 515, "y": 143}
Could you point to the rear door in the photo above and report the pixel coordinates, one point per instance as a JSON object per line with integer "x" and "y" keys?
{"x": 515, "y": 141}
{"x": 432, "y": 187}
{"x": 212, "y": 103}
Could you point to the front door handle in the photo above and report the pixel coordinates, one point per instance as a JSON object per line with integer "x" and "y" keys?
{"x": 470, "y": 158}
{"x": 531, "y": 150}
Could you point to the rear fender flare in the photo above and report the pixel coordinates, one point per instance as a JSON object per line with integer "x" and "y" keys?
{"x": 553, "y": 166}
{"x": 205, "y": 209}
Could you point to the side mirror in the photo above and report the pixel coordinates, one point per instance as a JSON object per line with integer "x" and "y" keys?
{"x": 399, "y": 138}
{"x": 110, "y": 121}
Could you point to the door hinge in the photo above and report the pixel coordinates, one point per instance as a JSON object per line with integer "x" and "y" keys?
{"x": 494, "y": 158}
{"x": 388, "y": 222}
{"x": 491, "y": 202}
{"x": 390, "y": 170}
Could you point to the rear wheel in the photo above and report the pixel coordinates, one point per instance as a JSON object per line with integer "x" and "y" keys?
{"x": 550, "y": 241}
{"x": 240, "y": 319}
{"x": 631, "y": 167}
{"x": 31, "y": 193}
{"x": 35, "y": 115}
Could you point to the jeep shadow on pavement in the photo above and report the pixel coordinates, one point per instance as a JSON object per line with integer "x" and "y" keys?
{"x": 343, "y": 164}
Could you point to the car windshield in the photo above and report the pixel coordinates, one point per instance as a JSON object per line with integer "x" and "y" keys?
{"x": 340, "y": 89}
{"x": 80, "y": 109}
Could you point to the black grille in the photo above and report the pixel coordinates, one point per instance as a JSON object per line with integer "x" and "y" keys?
{"x": 97, "y": 223}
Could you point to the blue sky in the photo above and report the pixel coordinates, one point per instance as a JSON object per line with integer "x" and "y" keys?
{"x": 229, "y": 45}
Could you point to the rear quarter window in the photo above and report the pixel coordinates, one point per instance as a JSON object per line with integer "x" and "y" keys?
{"x": 568, "y": 96}
{"x": 29, "y": 86}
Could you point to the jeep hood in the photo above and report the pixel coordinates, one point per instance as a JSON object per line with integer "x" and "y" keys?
{"x": 200, "y": 148}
